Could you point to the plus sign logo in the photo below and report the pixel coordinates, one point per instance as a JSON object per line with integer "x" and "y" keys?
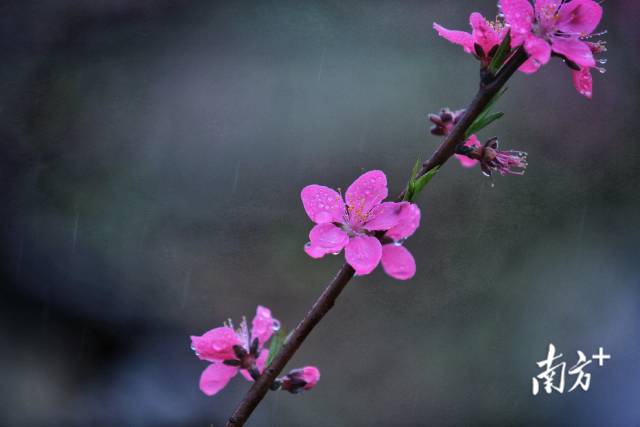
{"x": 555, "y": 370}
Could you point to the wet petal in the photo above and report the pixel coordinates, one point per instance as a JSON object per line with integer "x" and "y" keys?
{"x": 583, "y": 82}
{"x": 530, "y": 66}
{"x": 262, "y": 325}
{"x": 575, "y": 50}
{"x": 579, "y": 17}
{"x": 216, "y": 344}
{"x": 384, "y": 216}
{"x": 216, "y": 377}
{"x": 539, "y": 50}
{"x": 398, "y": 262}
{"x": 322, "y": 204}
{"x": 328, "y": 238}
{"x": 369, "y": 190}
{"x": 363, "y": 254}
{"x": 408, "y": 222}
{"x": 518, "y": 14}
{"x": 461, "y": 38}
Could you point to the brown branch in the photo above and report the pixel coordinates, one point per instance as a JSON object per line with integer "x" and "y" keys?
{"x": 328, "y": 297}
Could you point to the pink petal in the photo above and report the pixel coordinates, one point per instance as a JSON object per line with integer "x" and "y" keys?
{"x": 583, "y": 82}
{"x": 262, "y": 325}
{"x": 575, "y": 50}
{"x": 483, "y": 33}
{"x": 461, "y": 38}
{"x": 384, "y": 216}
{"x": 363, "y": 254}
{"x": 216, "y": 344}
{"x": 530, "y": 66}
{"x": 398, "y": 262}
{"x": 260, "y": 361}
{"x": 579, "y": 17}
{"x": 314, "y": 251}
{"x": 408, "y": 222}
{"x": 328, "y": 238}
{"x": 465, "y": 161}
{"x": 216, "y": 377}
{"x": 539, "y": 50}
{"x": 311, "y": 375}
{"x": 519, "y": 15}
{"x": 322, "y": 204}
{"x": 369, "y": 190}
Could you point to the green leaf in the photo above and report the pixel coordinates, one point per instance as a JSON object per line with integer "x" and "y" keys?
{"x": 424, "y": 179}
{"x": 276, "y": 344}
{"x": 501, "y": 54}
{"x": 415, "y": 186}
{"x": 482, "y": 122}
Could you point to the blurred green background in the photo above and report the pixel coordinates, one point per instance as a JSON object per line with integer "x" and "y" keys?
{"x": 152, "y": 158}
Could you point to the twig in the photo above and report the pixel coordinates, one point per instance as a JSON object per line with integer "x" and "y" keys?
{"x": 328, "y": 297}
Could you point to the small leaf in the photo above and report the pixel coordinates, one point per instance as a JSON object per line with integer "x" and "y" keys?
{"x": 421, "y": 182}
{"x": 501, "y": 54}
{"x": 411, "y": 185}
{"x": 276, "y": 344}
{"x": 483, "y": 122}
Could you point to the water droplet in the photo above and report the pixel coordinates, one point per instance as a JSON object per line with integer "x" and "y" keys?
{"x": 276, "y": 325}
{"x": 602, "y": 61}
{"x": 602, "y": 70}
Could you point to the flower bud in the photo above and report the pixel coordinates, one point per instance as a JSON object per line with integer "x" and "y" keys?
{"x": 444, "y": 121}
{"x": 299, "y": 380}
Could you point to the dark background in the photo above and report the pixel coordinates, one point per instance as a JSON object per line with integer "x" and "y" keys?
{"x": 152, "y": 158}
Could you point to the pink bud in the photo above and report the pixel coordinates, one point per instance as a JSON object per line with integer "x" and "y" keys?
{"x": 301, "y": 379}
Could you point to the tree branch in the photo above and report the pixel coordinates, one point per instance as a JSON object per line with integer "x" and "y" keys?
{"x": 328, "y": 297}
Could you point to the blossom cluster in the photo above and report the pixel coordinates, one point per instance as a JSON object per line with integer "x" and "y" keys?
{"x": 562, "y": 28}
{"x": 242, "y": 350}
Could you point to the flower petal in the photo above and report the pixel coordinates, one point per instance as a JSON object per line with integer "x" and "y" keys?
{"x": 384, "y": 216}
{"x": 216, "y": 377}
{"x": 519, "y": 15}
{"x": 216, "y": 344}
{"x": 579, "y": 17}
{"x": 262, "y": 325}
{"x": 322, "y": 204}
{"x": 461, "y": 38}
{"x": 539, "y": 50}
{"x": 408, "y": 222}
{"x": 574, "y": 50}
{"x": 369, "y": 190}
{"x": 530, "y": 66}
{"x": 314, "y": 251}
{"x": 465, "y": 161}
{"x": 363, "y": 253}
{"x": 398, "y": 262}
{"x": 260, "y": 361}
{"x": 583, "y": 82}
{"x": 328, "y": 237}
{"x": 483, "y": 33}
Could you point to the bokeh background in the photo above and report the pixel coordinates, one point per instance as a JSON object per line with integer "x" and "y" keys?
{"x": 152, "y": 158}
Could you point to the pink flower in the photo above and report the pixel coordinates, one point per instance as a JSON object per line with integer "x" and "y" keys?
{"x": 231, "y": 350}
{"x": 491, "y": 159}
{"x": 299, "y": 380}
{"x": 483, "y": 39}
{"x": 555, "y": 26}
{"x": 352, "y": 226}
